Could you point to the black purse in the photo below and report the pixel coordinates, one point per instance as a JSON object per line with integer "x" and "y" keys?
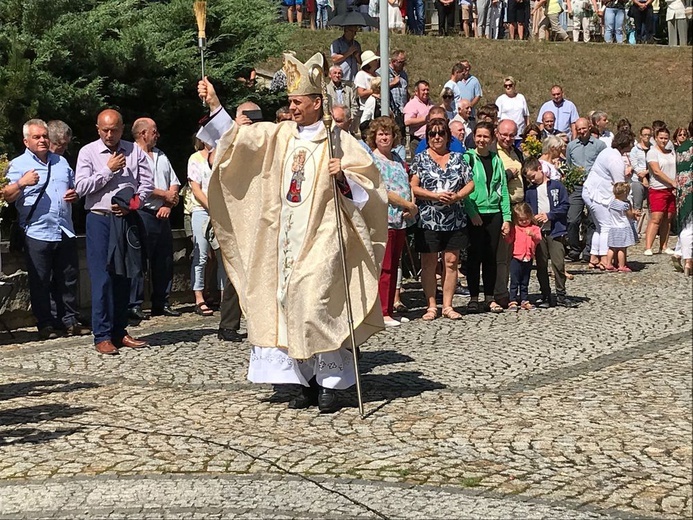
{"x": 17, "y": 234}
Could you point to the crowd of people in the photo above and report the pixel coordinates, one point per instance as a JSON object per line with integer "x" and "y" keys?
{"x": 630, "y": 21}
{"x": 484, "y": 193}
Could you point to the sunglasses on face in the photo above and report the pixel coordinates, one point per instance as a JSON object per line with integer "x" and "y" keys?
{"x": 436, "y": 133}
{"x": 509, "y": 85}
{"x": 447, "y": 96}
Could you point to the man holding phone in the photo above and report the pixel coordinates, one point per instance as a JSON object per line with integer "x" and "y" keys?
{"x": 106, "y": 167}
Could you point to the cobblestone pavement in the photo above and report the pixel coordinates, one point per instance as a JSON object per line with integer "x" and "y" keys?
{"x": 557, "y": 413}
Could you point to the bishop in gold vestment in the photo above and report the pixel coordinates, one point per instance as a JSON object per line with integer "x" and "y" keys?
{"x": 271, "y": 203}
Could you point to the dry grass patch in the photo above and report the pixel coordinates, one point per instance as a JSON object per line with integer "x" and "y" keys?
{"x": 641, "y": 83}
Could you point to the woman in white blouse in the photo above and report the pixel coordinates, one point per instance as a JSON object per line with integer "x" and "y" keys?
{"x": 597, "y": 192}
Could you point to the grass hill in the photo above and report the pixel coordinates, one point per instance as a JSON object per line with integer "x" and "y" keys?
{"x": 642, "y": 83}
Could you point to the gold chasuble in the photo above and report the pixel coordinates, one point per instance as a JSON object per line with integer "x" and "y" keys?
{"x": 271, "y": 203}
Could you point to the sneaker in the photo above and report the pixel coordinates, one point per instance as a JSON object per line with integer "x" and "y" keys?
{"x": 526, "y": 306}
{"x": 648, "y": 252}
{"x": 391, "y": 322}
{"x": 564, "y": 301}
{"x": 404, "y": 319}
{"x": 463, "y": 291}
{"x": 676, "y": 261}
{"x": 668, "y": 251}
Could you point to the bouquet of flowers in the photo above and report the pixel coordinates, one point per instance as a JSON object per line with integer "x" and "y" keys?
{"x": 531, "y": 147}
{"x": 573, "y": 176}
{"x": 4, "y": 166}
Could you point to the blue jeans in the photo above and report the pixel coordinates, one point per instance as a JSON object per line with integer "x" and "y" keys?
{"x": 519, "y": 280}
{"x": 415, "y": 16}
{"x": 613, "y": 23}
{"x": 109, "y": 292}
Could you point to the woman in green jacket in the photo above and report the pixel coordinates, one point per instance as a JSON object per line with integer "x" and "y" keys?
{"x": 488, "y": 208}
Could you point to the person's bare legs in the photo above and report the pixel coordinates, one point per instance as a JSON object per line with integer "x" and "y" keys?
{"x": 290, "y": 13}
{"x": 664, "y": 230}
{"x": 653, "y": 225}
{"x": 511, "y": 30}
{"x": 429, "y": 262}
{"x": 451, "y": 259}
{"x": 621, "y": 256}
{"x": 521, "y": 31}
{"x": 299, "y": 15}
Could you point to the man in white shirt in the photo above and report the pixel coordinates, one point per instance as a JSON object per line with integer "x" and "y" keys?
{"x": 156, "y": 227}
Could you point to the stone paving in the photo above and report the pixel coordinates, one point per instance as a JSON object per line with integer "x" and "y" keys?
{"x": 559, "y": 413}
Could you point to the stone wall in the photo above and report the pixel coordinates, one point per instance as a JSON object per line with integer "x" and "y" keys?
{"x": 16, "y": 312}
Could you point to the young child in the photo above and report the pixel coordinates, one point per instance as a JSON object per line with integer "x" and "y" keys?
{"x": 549, "y": 202}
{"x": 524, "y": 236}
{"x": 622, "y": 233}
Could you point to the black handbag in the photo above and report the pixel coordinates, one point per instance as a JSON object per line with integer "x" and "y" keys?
{"x": 17, "y": 235}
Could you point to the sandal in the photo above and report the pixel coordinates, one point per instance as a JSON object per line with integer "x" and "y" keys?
{"x": 206, "y": 311}
{"x": 473, "y": 307}
{"x": 513, "y": 306}
{"x": 451, "y": 313}
{"x": 431, "y": 314}
{"x": 610, "y": 268}
{"x": 400, "y": 307}
{"x": 596, "y": 265}
{"x": 495, "y": 308}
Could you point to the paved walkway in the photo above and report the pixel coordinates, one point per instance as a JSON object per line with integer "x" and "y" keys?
{"x": 570, "y": 414}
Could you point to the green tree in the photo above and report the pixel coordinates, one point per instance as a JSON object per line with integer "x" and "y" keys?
{"x": 69, "y": 59}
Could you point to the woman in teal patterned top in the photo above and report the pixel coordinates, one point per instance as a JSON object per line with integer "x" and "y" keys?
{"x": 383, "y": 135}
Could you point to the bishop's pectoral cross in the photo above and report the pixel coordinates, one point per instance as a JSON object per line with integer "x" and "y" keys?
{"x": 297, "y": 176}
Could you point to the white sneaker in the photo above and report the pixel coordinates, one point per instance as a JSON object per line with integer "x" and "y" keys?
{"x": 668, "y": 251}
{"x": 648, "y": 252}
{"x": 404, "y": 319}
{"x": 390, "y": 322}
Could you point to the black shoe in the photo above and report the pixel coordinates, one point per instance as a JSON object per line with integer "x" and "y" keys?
{"x": 308, "y": 398}
{"x": 135, "y": 313}
{"x": 166, "y": 310}
{"x": 231, "y": 335}
{"x": 544, "y": 302}
{"x": 48, "y": 333}
{"x": 564, "y": 301}
{"x": 572, "y": 257}
{"x": 327, "y": 400}
{"x": 77, "y": 330}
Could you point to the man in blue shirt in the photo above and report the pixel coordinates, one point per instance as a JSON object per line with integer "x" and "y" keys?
{"x": 581, "y": 152}
{"x": 439, "y": 113}
{"x": 43, "y": 180}
{"x": 346, "y": 52}
{"x": 469, "y": 87}
{"x": 564, "y": 110}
